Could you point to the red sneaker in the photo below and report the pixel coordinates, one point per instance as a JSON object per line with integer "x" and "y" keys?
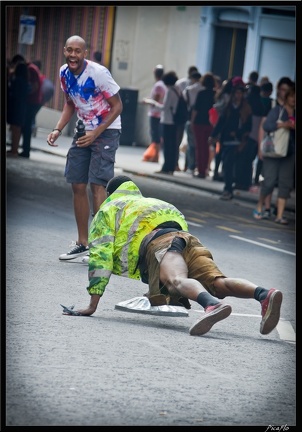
{"x": 212, "y": 315}
{"x": 270, "y": 311}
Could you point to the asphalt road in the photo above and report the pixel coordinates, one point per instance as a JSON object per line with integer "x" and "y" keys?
{"x": 122, "y": 369}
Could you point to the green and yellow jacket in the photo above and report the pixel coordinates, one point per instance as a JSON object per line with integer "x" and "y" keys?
{"x": 117, "y": 230}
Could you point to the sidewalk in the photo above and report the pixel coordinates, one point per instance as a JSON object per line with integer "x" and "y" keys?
{"x": 129, "y": 159}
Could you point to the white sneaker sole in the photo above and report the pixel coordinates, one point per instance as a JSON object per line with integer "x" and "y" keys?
{"x": 209, "y": 319}
{"x": 66, "y": 257}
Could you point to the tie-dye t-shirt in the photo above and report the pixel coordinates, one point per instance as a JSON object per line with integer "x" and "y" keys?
{"x": 89, "y": 92}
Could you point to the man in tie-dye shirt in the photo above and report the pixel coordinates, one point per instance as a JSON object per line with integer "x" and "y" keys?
{"x": 92, "y": 93}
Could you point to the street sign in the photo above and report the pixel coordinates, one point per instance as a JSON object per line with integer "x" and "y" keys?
{"x": 27, "y": 29}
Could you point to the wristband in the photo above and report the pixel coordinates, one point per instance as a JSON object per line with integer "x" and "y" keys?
{"x": 59, "y": 130}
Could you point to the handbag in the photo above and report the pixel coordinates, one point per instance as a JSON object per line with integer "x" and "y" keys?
{"x": 213, "y": 116}
{"x": 275, "y": 144}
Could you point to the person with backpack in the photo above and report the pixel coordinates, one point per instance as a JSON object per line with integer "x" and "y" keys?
{"x": 169, "y": 127}
{"x": 33, "y": 101}
{"x": 16, "y": 103}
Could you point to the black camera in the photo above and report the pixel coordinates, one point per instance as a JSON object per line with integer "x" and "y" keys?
{"x": 79, "y": 129}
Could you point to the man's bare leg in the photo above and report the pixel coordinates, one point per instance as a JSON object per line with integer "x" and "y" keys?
{"x": 173, "y": 273}
{"x": 81, "y": 211}
{"x": 99, "y": 195}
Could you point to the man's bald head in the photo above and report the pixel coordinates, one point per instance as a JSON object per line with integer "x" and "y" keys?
{"x": 77, "y": 39}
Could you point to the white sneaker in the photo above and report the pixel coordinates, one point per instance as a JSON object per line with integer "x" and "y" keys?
{"x": 75, "y": 252}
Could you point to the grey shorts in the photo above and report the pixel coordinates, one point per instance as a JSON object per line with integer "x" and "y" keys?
{"x": 280, "y": 172}
{"x": 95, "y": 163}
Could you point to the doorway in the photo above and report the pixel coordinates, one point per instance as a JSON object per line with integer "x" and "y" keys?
{"x": 229, "y": 51}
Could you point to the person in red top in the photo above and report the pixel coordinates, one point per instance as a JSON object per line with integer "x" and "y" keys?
{"x": 16, "y": 105}
{"x": 33, "y": 103}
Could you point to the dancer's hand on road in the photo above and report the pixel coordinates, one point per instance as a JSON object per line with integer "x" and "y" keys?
{"x": 82, "y": 312}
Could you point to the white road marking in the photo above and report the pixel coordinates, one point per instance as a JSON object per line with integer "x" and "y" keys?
{"x": 194, "y": 224}
{"x": 286, "y": 331}
{"x": 263, "y": 245}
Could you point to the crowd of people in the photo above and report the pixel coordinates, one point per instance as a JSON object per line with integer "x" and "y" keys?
{"x": 225, "y": 126}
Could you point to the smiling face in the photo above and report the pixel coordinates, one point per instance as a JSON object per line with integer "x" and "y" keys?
{"x": 75, "y": 53}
